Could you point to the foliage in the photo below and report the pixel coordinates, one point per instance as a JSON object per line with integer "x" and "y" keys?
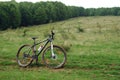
{"x": 40, "y": 15}
{"x": 26, "y": 13}
{"x": 9, "y": 15}
{"x": 13, "y": 14}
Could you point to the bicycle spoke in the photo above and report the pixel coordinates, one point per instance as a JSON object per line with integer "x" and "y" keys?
{"x": 24, "y": 55}
{"x": 56, "y": 61}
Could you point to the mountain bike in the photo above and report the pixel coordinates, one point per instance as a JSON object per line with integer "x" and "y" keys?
{"x": 53, "y": 56}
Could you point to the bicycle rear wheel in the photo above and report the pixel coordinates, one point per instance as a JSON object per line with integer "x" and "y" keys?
{"x": 24, "y": 55}
{"x": 56, "y": 61}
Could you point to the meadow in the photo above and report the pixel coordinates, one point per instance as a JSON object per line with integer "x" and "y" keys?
{"x": 92, "y": 45}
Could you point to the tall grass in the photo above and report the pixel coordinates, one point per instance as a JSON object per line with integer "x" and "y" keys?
{"x": 93, "y": 54}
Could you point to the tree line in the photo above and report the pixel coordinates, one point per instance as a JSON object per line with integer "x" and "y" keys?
{"x": 14, "y": 15}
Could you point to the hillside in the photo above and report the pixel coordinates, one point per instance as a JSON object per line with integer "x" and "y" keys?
{"x": 92, "y": 45}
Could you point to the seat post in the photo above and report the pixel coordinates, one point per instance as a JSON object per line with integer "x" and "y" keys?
{"x": 34, "y": 40}
{"x": 36, "y": 57}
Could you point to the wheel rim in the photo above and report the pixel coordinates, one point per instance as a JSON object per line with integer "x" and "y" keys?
{"x": 54, "y": 61}
{"x": 25, "y": 56}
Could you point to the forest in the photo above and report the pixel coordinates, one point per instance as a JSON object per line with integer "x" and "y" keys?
{"x": 15, "y": 15}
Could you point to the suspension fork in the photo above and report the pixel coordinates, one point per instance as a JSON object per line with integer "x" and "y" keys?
{"x": 51, "y": 44}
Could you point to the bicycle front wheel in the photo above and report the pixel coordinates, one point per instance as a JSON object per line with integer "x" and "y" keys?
{"x": 24, "y": 55}
{"x": 56, "y": 61}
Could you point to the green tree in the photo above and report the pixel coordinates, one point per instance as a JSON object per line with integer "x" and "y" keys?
{"x": 40, "y": 16}
{"x": 81, "y": 11}
{"x": 26, "y": 13}
{"x": 50, "y": 11}
{"x": 14, "y": 14}
{"x": 9, "y": 15}
{"x": 61, "y": 11}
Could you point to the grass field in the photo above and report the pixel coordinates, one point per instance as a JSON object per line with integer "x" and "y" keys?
{"x": 92, "y": 44}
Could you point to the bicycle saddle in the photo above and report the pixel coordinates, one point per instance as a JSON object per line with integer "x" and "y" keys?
{"x": 34, "y": 38}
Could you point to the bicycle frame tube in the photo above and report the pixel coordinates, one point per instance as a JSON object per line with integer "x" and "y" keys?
{"x": 43, "y": 47}
{"x": 46, "y": 42}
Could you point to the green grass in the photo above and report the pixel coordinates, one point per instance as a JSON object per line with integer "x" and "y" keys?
{"x": 92, "y": 44}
